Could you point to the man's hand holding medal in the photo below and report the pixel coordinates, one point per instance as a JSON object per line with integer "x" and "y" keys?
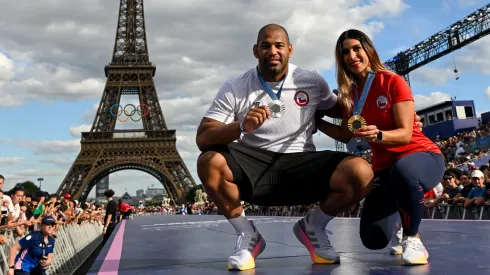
{"x": 258, "y": 114}
{"x": 255, "y": 118}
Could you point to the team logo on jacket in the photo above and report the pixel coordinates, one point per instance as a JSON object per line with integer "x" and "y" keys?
{"x": 301, "y": 98}
{"x": 382, "y": 102}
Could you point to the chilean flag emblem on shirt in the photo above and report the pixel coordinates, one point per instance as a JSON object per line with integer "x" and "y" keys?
{"x": 301, "y": 98}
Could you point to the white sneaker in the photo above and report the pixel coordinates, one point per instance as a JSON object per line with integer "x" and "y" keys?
{"x": 396, "y": 243}
{"x": 248, "y": 246}
{"x": 316, "y": 241}
{"x": 414, "y": 252}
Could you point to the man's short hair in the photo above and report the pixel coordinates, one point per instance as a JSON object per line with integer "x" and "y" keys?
{"x": 109, "y": 193}
{"x": 454, "y": 172}
{"x": 2, "y": 177}
{"x": 274, "y": 27}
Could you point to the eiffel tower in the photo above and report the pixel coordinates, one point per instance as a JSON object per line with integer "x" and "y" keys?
{"x": 105, "y": 150}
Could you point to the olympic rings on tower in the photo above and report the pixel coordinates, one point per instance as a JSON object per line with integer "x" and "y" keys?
{"x": 130, "y": 114}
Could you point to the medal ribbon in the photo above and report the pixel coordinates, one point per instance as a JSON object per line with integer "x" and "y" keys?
{"x": 268, "y": 89}
{"x": 359, "y": 102}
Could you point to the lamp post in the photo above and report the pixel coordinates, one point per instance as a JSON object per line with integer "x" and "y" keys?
{"x": 40, "y": 181}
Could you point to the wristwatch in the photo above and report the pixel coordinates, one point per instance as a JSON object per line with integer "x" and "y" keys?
{"x": 379, "y": 137}
{"x": 12, "y": 267}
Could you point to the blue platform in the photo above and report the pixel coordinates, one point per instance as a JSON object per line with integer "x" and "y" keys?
{"x": 201, "y": 245}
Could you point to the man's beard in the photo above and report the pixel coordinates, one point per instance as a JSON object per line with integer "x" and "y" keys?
{"x": 276, "y": 70}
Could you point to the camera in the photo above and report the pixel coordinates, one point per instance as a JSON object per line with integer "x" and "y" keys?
{"x": 4, "y": 219}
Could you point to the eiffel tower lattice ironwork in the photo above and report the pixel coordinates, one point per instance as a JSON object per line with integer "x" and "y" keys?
{"x": 152, "y": 149}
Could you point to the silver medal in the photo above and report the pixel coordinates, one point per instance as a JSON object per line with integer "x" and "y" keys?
{"x": 277, "y": 108}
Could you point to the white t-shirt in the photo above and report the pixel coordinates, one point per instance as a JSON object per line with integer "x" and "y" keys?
{"x": 303, "y": 93}
{"x": 438, "y": 190}
{"x": 10, "y": 206}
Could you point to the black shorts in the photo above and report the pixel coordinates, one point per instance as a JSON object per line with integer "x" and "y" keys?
{"x": 268, "y": 178}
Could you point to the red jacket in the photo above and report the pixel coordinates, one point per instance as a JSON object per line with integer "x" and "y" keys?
{"x": 125, "y": 207}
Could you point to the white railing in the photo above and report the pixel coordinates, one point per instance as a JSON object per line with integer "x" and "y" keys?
{"x": 73, "y": 245}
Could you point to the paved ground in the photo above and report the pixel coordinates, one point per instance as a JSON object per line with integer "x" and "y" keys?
{"x": 201, "y": 244}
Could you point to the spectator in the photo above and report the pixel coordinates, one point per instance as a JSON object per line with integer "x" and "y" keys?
{"x": 36, "y": 251}
{"x": 5, "y": 196}
{"x": 16, "y": 195}
{"x": 450, "y": 189}
{"x": 478, "y": 193}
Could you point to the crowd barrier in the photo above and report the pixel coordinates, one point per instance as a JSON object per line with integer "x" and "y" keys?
{"x": 73, "y": 245}
{"x": 440, "y": 211}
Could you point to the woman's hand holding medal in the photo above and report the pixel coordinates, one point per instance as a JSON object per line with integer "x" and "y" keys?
{"x": 369, "y": 132}
{"x": 254, "y": 118}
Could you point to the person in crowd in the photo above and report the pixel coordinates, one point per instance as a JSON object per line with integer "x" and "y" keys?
{"x": 34, "y": 253}
{"x": 6, "y": 197}
{"x": 379, "y": 107}
{"x": 450, "y": 191}
{"x": 110, "y": 215}
{"x": 22, "y": 221}
{"x": 466, "y": 186}
{"x": 16, "y": 195}
{"x": 478, "y": 194}
{"x": 6, "y": 219}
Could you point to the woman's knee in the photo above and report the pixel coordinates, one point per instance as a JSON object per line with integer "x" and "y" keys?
{"x": 373, "y": 237}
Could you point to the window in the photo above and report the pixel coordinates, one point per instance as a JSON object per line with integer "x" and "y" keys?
{"x": 449, "y": 114}
{"x": 469, "y": 111}
{"x": 432, "y": 119}
{"x": 440, "y": 117}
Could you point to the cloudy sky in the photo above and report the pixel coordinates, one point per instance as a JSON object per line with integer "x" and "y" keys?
{"x": 52, "y": 55}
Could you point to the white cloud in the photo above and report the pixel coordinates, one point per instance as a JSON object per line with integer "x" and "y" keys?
{"x": 433, "y": 75}
{"x": 87, "y": 86}
{"x": 423, "y": 101}
{"x": 47, "y": 147}
{"x": 474, "y": 57}
{"x": 63, "y": 162}
{"x": 14, "y": 177}
{"x": 11, "y": 161}
{"x": 47, "y": 82}
{"x": 76, "y": 131}
{"x": 487, "y": 92}
{"x": 6, "y": 68}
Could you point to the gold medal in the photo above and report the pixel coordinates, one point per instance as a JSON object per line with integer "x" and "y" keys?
{"x": 355, "y": 123}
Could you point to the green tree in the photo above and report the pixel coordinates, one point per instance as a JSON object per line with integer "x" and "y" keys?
{"x": 29, "y": 187}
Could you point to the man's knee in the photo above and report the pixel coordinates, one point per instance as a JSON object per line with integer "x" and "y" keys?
{"x": 356, "y": 172}
{"x": 373, "y": 237}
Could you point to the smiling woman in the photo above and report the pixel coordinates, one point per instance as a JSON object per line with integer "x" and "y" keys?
{"x": 379, "y": 107}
